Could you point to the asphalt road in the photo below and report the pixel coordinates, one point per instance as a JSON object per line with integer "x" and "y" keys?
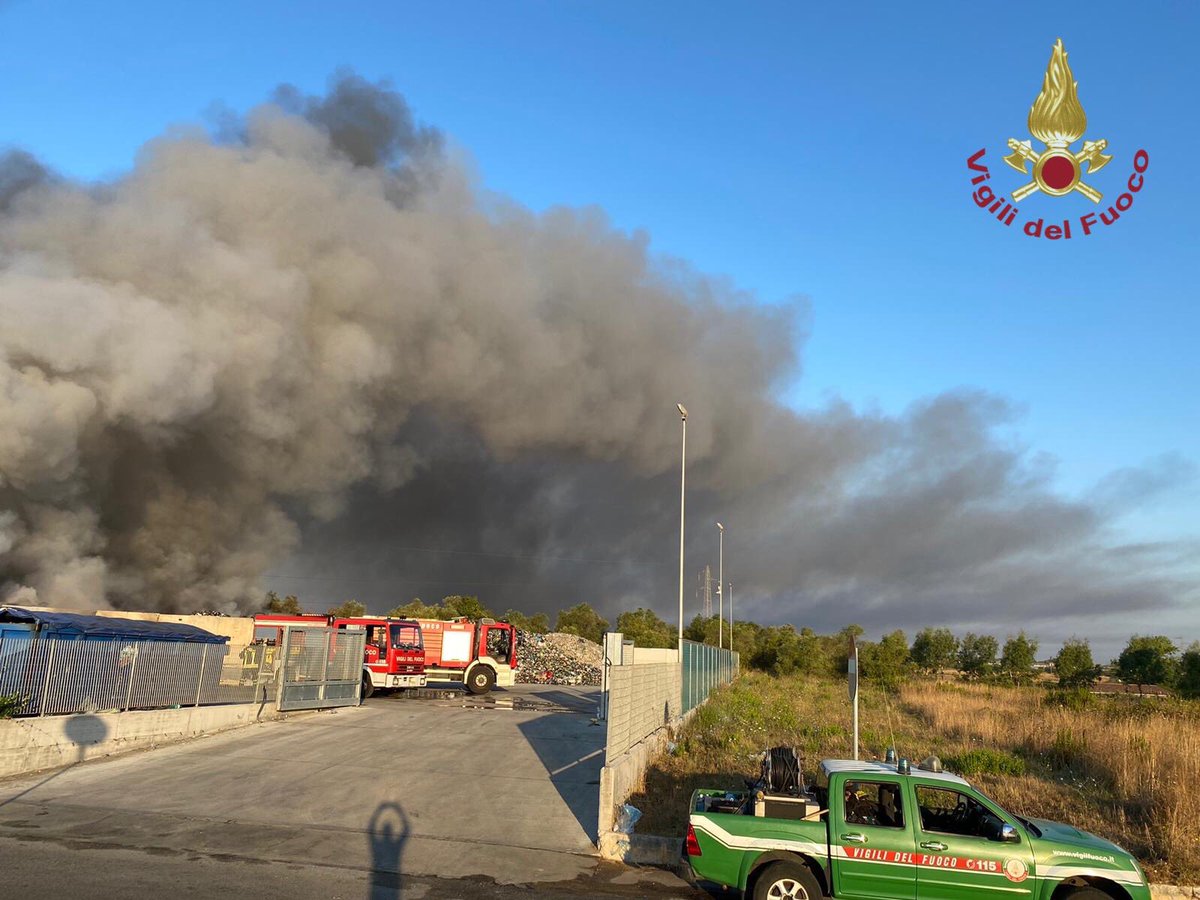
{"x": 33, "y": 868}
{"x": 398, "y": 798}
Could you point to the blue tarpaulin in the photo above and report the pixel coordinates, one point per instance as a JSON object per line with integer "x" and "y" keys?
{"x": 67, "y": 625}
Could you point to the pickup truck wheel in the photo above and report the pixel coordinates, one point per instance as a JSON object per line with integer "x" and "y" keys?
{"x": 786, "y": 881}
{"x": 481, "y": 680}
{"x": 367, "y": 687}
{"x": 1081, "y": 893}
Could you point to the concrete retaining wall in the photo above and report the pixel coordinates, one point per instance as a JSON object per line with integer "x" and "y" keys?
{"x": 644, "y": 656}
{"x": 643, "y": 713}
{"x": 641, "y": 699}
{"x": 623, "y": 776}
{"x": 31, "y": 744}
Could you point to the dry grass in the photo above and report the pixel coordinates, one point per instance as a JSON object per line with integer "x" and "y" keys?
{"x": 1127, "y": 771}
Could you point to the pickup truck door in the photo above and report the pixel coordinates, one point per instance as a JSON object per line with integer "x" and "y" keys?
{"x": 872, "y": 839}
{"x": 959, "y": 855}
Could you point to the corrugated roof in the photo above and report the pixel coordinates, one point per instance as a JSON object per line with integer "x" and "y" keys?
{"x": 75, "y": 625}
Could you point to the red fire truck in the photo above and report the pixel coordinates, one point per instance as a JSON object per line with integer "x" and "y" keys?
{"x": 480, "y": 655}
{"x": 394, "y": 656}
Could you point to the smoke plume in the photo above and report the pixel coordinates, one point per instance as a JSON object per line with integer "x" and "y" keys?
{"x": 311, "y": 346}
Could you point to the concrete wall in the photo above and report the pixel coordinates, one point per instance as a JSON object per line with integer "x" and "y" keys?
{"x": 645, "y": 709}
{"x": 643, "y": 713}
{"x": 641, "y": 699}
{"x": 623, "y": 775}
{"x": 31, "y": 744}
{"x": 643, "y": 656}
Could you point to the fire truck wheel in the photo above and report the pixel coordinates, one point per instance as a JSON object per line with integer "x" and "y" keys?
{"x": 481, "y": 680}
{"x": 367, "y": 689}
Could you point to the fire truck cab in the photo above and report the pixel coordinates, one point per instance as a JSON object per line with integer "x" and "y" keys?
{"x": 394, "y": 656}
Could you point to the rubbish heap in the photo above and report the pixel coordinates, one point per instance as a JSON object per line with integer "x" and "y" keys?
{"x": 558, "y": 658}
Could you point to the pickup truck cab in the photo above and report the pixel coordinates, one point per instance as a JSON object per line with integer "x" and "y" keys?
{"x": 895, "y": 831}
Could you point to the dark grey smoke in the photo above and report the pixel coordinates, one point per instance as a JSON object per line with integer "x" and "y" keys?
{"x": 18, "y": 173}
{"x": 309, "y": 349}
{"x": 371, "y": 124}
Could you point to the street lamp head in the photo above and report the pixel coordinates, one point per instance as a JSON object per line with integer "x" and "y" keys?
{"x": 682, "y": 410}
{"x": 719, "y": 525}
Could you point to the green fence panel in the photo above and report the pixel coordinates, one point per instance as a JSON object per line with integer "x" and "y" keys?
{"x": 704, "y": 668}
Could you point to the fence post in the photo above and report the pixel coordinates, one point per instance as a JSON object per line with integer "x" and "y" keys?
{"x": 324, "y": 665}
{"x": 46, "y": 680}
{"x": 258, "y": 679}
{"x": 281, "y": 687}
{"x": 137, "y": 651}
{"x": 200, "y": 678}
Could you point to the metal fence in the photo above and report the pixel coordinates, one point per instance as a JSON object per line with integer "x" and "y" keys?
{"x": 69, "y": 675}
{"x": 322, "y": 667}
{"x": 704, "y": 668}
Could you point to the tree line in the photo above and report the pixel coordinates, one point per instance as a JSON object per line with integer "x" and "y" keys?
{"x": 786, "y": 650}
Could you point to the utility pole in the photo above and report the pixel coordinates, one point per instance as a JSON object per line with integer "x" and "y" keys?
{"x": 682, "y": 495}
{"x": 720, "y": 591}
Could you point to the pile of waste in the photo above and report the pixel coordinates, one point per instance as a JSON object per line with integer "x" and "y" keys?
{"x": 557, "y": 658}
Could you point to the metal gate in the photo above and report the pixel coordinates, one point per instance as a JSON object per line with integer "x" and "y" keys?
{"x": 322, "y": 667}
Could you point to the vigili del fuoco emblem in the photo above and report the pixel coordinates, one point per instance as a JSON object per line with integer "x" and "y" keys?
{"x": 1057, "y": 120}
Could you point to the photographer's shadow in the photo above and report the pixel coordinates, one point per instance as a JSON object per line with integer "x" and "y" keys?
{"x": 388, "y": 831}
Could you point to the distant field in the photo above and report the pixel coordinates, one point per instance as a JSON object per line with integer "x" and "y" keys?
{"x": 1126, "y": 770}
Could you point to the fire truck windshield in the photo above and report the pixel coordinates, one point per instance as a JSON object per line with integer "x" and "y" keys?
{"x": 406, "y": 637}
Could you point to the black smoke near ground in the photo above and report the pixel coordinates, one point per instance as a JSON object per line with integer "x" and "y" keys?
{"x": 310, "y": 346}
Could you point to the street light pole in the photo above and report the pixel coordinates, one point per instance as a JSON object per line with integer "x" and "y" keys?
{"x": 731, "y": 615}
{"x": 720, "y": 591}
{"x": 682, "y": 483}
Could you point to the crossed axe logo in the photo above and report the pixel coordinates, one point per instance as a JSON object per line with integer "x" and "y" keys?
{"x": 1057, "y": 119}
{"x": 1056, "y": 170}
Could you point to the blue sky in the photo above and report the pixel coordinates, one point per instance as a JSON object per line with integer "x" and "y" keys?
{"x": 794, "y": 148}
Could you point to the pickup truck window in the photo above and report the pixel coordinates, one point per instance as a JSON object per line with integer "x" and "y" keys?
{"x": 951, "y": 812}
{"x": 873, "y": 803}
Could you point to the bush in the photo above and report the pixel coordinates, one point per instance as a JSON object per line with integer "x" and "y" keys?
{"x": 10, "y": 705}
{"x": 1075, "y": 699}
{"x": 985, "y": 761}
{"x": 1068, "y": 749}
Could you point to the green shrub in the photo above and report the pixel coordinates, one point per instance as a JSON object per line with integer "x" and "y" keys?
{"x": 1068, "y": 749}
{"x": 10, "y": 705}
{"x": 1077, "y": 699}
{"x": 984, "y": 761}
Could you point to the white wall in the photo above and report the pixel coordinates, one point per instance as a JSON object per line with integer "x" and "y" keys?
{"x": 31, "y": 744}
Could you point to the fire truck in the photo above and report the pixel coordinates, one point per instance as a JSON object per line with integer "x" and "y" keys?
{"x": 394, "y": 655}
{"x": 481, "y": 655}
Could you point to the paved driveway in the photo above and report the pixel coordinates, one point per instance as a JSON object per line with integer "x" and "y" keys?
{"x": 504, "y": 789}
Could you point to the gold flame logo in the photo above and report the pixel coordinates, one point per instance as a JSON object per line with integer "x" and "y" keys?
{"x": 1057, "y": 117}
{"x": 1057, "y": 120}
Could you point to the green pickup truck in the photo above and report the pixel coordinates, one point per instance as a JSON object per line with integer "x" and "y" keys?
{"x": 895, "y": 831}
